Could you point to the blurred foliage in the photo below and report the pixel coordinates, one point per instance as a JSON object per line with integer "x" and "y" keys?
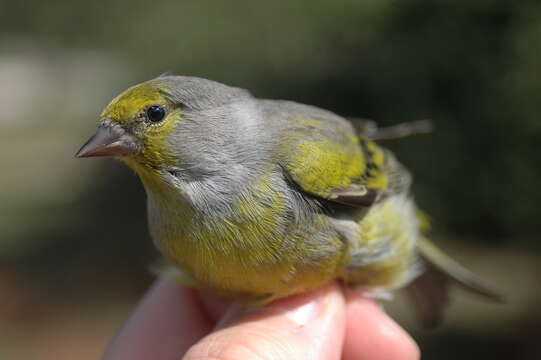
{"x": 474, "y": 68}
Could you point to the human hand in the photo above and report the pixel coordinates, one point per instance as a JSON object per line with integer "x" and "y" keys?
{"x": 173, "y": 322}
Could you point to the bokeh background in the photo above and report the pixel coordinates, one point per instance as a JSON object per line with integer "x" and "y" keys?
{"x": 74, "y": 247}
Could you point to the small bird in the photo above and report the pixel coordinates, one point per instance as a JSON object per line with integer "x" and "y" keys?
{"x": 260, "y": 199}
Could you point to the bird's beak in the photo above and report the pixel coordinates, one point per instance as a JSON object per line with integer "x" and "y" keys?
{"x": 110, "y": 141}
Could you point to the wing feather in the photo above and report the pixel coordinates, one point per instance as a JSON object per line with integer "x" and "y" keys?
{"x": 324, "y": 156}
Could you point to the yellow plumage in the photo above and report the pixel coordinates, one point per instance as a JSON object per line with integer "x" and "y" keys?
{"x": 260, "y": 199}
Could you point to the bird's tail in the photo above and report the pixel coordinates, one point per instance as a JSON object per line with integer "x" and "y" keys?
{"x": 430, "y": 290}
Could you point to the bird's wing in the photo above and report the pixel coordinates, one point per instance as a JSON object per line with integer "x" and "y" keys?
{"x": 322, "y": 154}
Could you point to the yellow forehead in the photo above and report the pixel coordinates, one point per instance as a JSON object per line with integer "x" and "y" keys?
{"x": 134, "y": 101}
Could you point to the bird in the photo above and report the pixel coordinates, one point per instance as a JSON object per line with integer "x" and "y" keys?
{"x": 257, "y": 199}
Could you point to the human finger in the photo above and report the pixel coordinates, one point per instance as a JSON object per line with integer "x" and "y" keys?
{"x": 372, "y": 334}
{"x": 164, "y": 325}
{"x": 306, "y": 326}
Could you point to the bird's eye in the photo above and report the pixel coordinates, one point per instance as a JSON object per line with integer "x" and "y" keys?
{"x": 156, "y": 113}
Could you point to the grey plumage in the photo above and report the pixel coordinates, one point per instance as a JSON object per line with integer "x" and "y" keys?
{"x": 260, "y": 199}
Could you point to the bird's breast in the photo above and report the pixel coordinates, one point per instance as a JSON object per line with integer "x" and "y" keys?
{"x": 256, "y": 250}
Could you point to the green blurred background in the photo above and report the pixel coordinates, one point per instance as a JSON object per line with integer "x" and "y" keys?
{"x": 74, "y": 250}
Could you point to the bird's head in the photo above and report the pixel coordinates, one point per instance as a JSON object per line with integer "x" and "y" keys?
{"x": 170, "y": 122}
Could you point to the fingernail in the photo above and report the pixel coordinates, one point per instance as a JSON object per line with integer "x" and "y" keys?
{"x": 299, "y": 309}
{"x": 303, "y": 314}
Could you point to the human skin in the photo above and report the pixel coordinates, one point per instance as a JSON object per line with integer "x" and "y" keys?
{"x": 173, "y": 322}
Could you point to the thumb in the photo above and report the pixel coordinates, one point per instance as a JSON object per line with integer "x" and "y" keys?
{"x": 307, "y": 326}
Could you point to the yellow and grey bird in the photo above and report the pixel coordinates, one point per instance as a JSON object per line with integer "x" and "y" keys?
{"x": 260, "y": 199}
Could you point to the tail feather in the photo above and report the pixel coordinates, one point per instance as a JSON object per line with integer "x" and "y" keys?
{"x": 430, "y": 290}
{"x": 456, "y": 272}
{"x": 429, "y": 294}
